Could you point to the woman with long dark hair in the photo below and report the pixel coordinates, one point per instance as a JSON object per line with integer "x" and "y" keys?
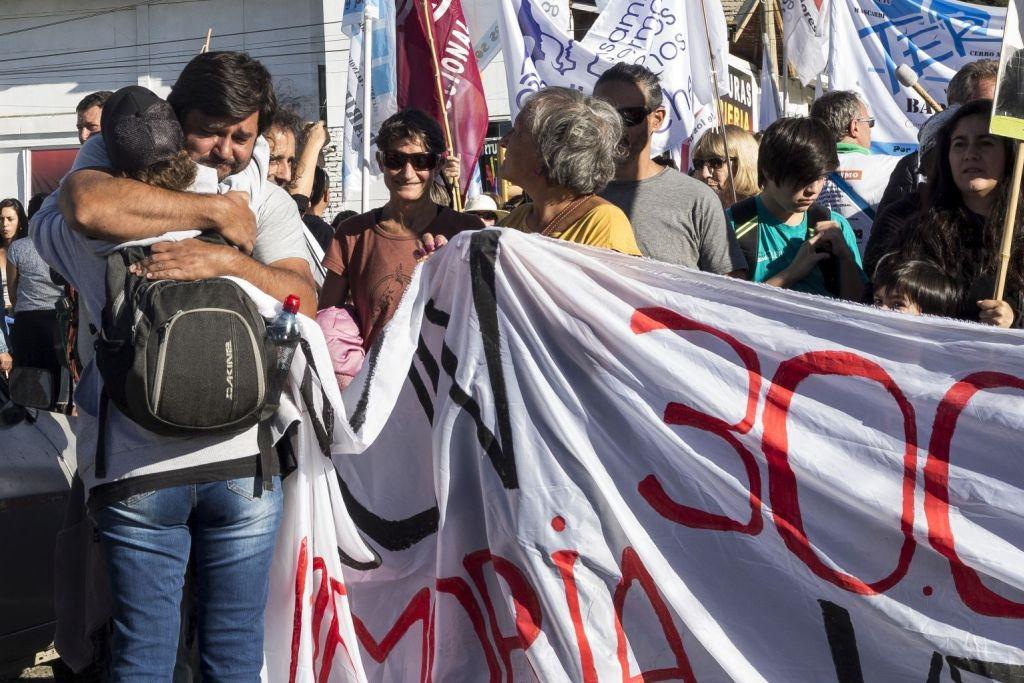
{"x": 12, "y": 226}
{"x": 960, "y": 224}
{"x": 34, "y": 335}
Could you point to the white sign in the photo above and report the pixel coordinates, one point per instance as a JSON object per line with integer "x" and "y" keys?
{"x": 666, "y": 36}
{"x": 806, "y": 26}
{"x": 581, "y": 466}
{"x": 873, "y": 37}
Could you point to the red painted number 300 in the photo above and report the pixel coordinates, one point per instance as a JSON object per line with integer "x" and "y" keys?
{"x": 782, "y": 484}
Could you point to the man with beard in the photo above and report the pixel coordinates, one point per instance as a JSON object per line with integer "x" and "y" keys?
{"x": 163, "y": 498}
{"x": 676, "y": 219}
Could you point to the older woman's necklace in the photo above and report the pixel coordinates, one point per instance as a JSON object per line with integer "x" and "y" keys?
{"x": 549, "y": 229}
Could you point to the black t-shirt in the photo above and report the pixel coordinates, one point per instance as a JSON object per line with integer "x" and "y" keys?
{"x": 321, "y": 229}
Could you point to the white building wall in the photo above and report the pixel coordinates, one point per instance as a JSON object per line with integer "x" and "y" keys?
{"x": 46, "y": 67}
{"x": 57, "y": 51}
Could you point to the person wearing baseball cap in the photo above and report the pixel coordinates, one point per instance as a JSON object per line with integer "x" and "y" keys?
{"x": 144, "y": 140}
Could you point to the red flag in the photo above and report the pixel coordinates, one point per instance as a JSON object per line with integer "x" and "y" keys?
{"x": 465, "y": 104}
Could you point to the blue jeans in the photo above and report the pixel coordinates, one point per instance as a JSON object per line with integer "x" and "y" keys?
{"x": 230, "y": 528}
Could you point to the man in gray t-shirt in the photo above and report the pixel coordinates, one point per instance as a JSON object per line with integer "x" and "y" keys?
{"x": 676, "y": 219}
{"x": 164, "y": 496}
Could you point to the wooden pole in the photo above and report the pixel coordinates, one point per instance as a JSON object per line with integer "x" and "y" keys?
{"x": 743, "y": 25}
{"x": 784, "y": 68}
{"x": 1009, "y": 223}
{"x": 206, "y": 45}
{"x": 428, "y": 26}
{"x": 718, "y": 100}
{"x": 502, "y": 183}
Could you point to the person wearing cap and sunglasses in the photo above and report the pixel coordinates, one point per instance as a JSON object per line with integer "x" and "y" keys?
{"x": 372, "y": 255}
{"x": 677, "y": 219}
{"x": 855, "y": 189}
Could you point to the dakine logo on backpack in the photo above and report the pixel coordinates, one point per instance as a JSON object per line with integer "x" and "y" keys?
{"x": 181, "y": 358}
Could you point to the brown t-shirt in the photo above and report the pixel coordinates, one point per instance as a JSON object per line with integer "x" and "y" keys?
{"x": 379, "y": 265}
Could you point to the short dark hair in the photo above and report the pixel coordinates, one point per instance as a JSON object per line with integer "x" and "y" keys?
{"x": 15, "y": 204}
{"x": 836, "y": 110}
{"x": 922, "y": 282}
{"x": 796, "y": 150}
{"x": 965, "y": 81}
{"x": 321, "y": 184}
{"x": 96, "y": 99}
{"x": 34, "y": 203}
{"x": 228, "y": 84}
{"x": 411, "y": 124}
{"x": 639, "y": 75}
{"x": 342, "y": 217}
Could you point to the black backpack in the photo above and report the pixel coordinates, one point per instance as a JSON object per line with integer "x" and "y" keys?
{"x": 744, "y": 217}
{"x": 181, "y": 358}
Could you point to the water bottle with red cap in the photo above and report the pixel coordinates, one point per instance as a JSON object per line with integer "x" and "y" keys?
{"x": 283, "y": 333}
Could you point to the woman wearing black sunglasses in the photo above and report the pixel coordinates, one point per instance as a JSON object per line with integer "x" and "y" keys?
{"x": 371, "y": 257}
{"x": 709, "y": 164}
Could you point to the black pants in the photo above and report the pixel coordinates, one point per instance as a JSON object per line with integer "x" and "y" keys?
{"x": 34, "y": 340}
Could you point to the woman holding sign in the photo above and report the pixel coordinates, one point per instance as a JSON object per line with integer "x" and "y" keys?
{"x": 960, "y": 224}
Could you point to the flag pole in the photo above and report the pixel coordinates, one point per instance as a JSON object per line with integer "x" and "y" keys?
{"x": 428, "y": 26}
{"x": 784, "y": 67}
{"x": 718, "y": 100}
{"x": 1009, "y": 223}
{"x": 369, "y": 15}
{"x": 206, "y": 45}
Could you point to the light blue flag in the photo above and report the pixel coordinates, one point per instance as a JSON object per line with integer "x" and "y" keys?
{"x": 383, "y": 86}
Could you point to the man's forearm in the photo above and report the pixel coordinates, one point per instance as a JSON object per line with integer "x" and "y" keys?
{"x": 101, "y": 206}
{"x": 280, "y": 280}
{"x": 304, "y": 171}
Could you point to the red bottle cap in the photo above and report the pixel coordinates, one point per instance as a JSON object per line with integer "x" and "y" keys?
{"x": 291, "y": 304}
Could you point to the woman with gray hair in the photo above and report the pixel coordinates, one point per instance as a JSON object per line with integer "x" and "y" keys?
{"x": 562, "y": 151}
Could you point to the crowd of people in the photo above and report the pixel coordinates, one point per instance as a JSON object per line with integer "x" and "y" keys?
{"x": 220, "y": 155}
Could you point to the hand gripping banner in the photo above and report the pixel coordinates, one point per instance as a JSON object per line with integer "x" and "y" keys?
{"x": 581, "y": 466}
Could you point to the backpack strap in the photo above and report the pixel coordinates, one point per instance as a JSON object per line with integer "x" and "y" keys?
{"x": 744, "y": 219}
{"x": 266, "y": 443}
{"x": 101, "y": 436}
{"x": 819, "y": 213}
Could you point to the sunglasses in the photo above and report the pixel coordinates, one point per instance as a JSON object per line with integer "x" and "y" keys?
{"x": 421, "y": 161}
{"x": 713, "y": 163}
{"x": 633, "y": 116}
{"x": 870, "y": 120}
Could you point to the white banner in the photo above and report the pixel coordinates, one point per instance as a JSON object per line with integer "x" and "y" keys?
{"x": 666, "y": 36}
{"x": 383, "y": 87}
{"x": 934, "y": 37}
{"x": 855, "y": 190}
{"x": 482, "y": 18}
{"x": 582, "y": 466}
{"x": 805, "y": 28}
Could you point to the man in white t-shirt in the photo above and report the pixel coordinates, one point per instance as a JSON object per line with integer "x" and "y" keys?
{"x": 855, "y": 189}
{"x": 164, "y": 498}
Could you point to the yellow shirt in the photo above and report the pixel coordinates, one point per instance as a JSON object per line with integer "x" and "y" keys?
{"x": 603, "y": 226}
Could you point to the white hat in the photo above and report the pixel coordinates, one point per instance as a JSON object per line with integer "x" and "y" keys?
{"x": 481, "y": 203}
